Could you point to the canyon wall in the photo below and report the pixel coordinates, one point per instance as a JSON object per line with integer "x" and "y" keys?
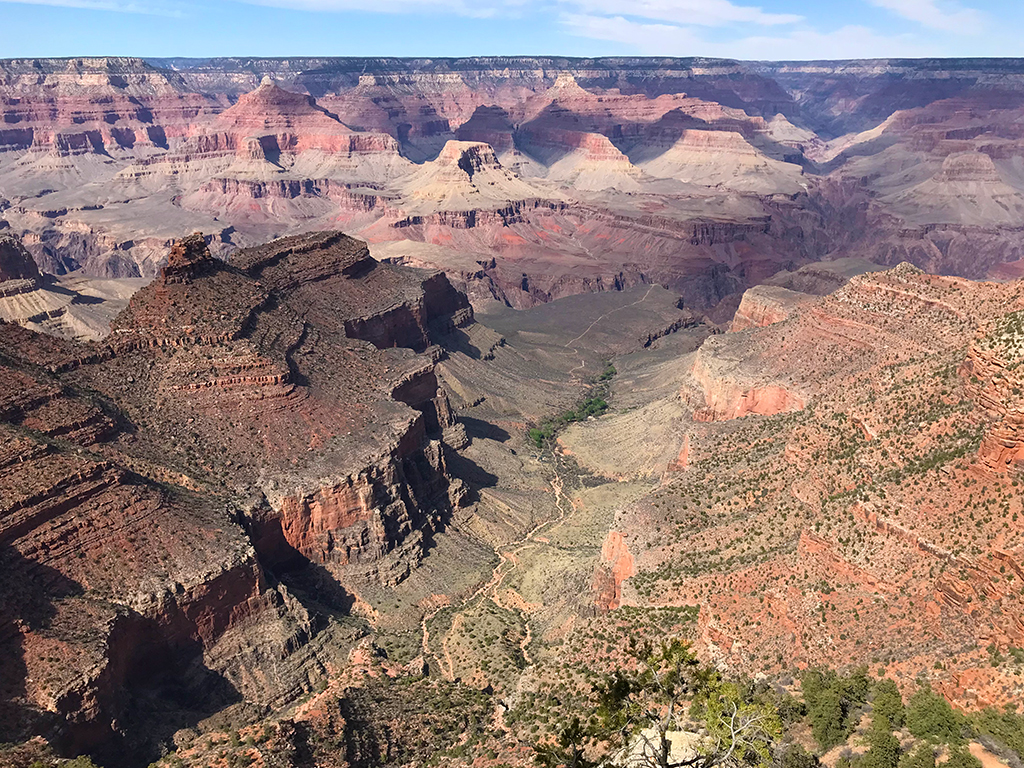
{"x": 707, "y": 176}
{"x": 157, "y": 485}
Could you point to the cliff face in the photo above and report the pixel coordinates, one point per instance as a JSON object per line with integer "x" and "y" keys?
{"x": 15, "y": 262}
{"x": 290, "y": 349}
{"x": 109, "y": 575}
{"x": 615, "y": 567}
{"x": 234, "y": 426}
{"x": 732, "y": 384}
{"x": 703, "y": 175}
{"x": 765, "y": 305}
{"x": 992, "y": 374}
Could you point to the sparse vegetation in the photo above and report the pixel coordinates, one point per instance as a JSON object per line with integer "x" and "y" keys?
{"x": 669, "y": 691}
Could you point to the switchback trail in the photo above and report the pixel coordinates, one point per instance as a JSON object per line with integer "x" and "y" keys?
{"x": 507, "y": 556}
{"x": 569, "y": 345}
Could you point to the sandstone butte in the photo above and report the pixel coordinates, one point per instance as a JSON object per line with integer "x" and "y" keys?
{"x": 706, "y": 177}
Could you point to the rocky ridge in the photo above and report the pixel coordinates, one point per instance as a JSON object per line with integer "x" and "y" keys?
{"x": 223, "y": 429}
{"x": 868, "y": 492}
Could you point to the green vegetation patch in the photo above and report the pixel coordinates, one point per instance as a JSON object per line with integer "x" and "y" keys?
{"x": 595, "y": 405}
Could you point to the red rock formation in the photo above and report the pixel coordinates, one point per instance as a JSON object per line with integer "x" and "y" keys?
{"x": 991, "y": 376}
{"x": 239, "y": 382}
{"x": 729, "y": 392}
{"x": 107, "y": 574}
{"x": 682, "y": 461}
{"x": 287, "y": 122}
{"x": 860, "y": 527}
{"x": 79, "y": 106}
{"x": 189, "y": 258}
{"x": 764, "y": 305}
{"x": 615, "y": 567}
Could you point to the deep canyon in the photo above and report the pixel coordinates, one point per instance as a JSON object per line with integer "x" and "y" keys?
{"x": 359, "y": 411}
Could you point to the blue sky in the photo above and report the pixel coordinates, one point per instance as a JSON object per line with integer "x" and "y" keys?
{"x": 769, "y": 29}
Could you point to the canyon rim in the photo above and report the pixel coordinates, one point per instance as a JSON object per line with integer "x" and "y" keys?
{"x": 386, "y": 411}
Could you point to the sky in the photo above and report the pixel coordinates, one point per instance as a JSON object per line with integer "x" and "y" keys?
{"x": 737, "y": 29}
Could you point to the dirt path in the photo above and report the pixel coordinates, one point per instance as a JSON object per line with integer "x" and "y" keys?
{"x": 507, "y": 556}
{"x": 590, "y": 327}
{"x": 988, "y": 760}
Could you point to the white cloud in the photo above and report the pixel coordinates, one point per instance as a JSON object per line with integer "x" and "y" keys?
{"x": 107, "y": 5}
{"x": 703, "y": 12}
{"x": 850, "y": 42}
{"x": 684, "y": 27}
{"x": 484, "y": 8}
{"x": 929, "y": 14}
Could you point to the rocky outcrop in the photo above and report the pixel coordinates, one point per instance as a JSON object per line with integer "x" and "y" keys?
{"x": 615, "y": 567}
{"x": 386, "y": 305}
{"x": 466, "y": 175}
{"x": 967, "y": 166}
{"x": 262, "y": 436}
{"x": 109, "y": 576}
{"x": 764, "y": 305}
{"x": 991, "y": 374}
{"x": 15, "y": 263}
{"x": 732, "y": 387}
{"x": 189, "y": 259}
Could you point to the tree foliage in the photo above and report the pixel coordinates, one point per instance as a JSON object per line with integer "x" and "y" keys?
{"x": 668, "y": 693}
{"x": 1004, "y": 726}
{"x": 922, "y": 756}
{"x": 929, "y": 716}
{"x": 888, "y": 703}
{"x": 959, "y": 757}
{"x": 884, "y": 750}
{"x": 795, "y": 756}
{"x": 831, "y": 700}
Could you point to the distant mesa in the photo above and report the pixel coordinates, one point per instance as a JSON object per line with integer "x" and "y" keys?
{"x": 71, "y": 306}
{"x": 968, "y": 188}
{"x": 705, "y": 176}
{"x": 968, "y": 166}
{"x": 719, "y": 158}
{"x": 466, "y": 174}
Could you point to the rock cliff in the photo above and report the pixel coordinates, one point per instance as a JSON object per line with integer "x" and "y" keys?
{"x": 992, "y": 373}
{"x": 242, "y": 420}
{"x": 575, "y": 170}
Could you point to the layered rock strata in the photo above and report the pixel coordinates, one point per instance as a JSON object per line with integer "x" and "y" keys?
{"x": 241, "y": 421}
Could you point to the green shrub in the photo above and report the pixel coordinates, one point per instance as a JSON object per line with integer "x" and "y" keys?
{"x": 888, "y": 702}
{"x": 929, "y": 716}
{"x": 923, "y": 756}
{"x": 831, "y": 700}
{"x": 1004, "y": 726}
{"x": 828, "y": 719}
{"x": 959, "y": 757}
{"x": 884, "y": 750}
{"x": 795, "y": 756}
